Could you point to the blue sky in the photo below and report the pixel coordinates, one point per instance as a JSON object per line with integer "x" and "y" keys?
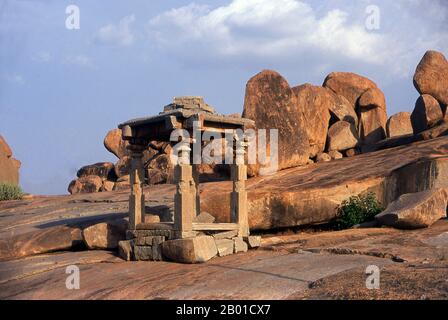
{"x": 61, "y": 90}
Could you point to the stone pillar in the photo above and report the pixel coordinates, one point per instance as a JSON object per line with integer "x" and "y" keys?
{"x": 137, "y": 198}
{"x": 239, "y": 195}
{"x": 185, "y": 197}
{"x": 197, "y": 203}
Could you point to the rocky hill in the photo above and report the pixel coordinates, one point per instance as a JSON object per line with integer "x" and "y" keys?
{"x": 9, "y": 166}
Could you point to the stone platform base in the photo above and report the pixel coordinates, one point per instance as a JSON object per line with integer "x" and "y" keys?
{"x": 157, "y": 245}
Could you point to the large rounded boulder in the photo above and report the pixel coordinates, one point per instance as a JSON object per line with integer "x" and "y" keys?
{"x": 315, "y": 104}
{"x": 272, "y": 104}
{"x": 431, "y": 76}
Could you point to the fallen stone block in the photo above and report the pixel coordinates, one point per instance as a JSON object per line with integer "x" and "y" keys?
{"x": 253, "y": 241}
{"x": 152, "y": 218}
{"x": 204, "y": 217}
{"x": 225, "y": 235}
{"x": 224, "y": 246}
{"x": 416, "y": 210}
{"x": 191, "y": 250}
{"x": 126, "y": 249}
{"x": 105, "y": 235}
{"x": 239, "y": 245}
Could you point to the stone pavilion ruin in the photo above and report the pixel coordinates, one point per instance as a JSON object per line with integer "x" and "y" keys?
{"x": 183, "y": 239}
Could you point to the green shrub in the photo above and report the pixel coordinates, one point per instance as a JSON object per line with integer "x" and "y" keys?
{"x": 357, "y": 209}
{"x": 10, "y": 192}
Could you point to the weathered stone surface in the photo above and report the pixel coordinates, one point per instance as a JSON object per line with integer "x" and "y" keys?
{"x": 399, "y": 125}
{"x": 349, "y": 85}
{"x": 372, "y": 98}
{"x": 115, "y": 144}
{"x": 258, "y": 274}
{"x": 123, "y": 183}
{"x": 315, "y": 103}
{"x": 105, "y": 235}
{"x": 311, "y": 194}
{"x": 271, "y": 103}
{"x": 160, "y": 169}
{"x": 5, "y": 149}
{"x": 204, "y": 217}
{"x": 149, "y": 240}
{"x": 253, "y": 241}
{"x": 416, "y": 210}
{"x": 342, "y": 110}
{"x": 133, "y": 234}
{"x": 372, "y": 125}
{"x": 427, "y": 113}
{"x": 192, "y": 250}
{"x": 108, "y": 185}
{"x": 157, "y": 254}
{"x": 152, "y": 218}
{"x": 143, "y": 253}
{"x": 9, "y": 167}
{"x": 225, "y": 235}
{"x": 104, "y": 170}
{"x": 224, "y": 246}
{"x": 86, "y": 184}
{"x": 323, "y": 157}
{"x": 431, "y": 76}
{"x": 123, "y": 166}
{"x": 335, "y": 155}
{"x": 40, "y": 241}
{"x": 342, "y": 136}
{"x": 239, "y": 245}
{"x": 351, "y": 152}
{"x": 126, "y": 249}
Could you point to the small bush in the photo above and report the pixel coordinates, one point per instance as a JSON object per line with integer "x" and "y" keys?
{"x": 357, "y": 209}
{"x": 10, "y": 192}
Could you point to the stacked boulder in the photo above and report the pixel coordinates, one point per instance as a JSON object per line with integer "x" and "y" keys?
{"x": 317, "y": 123}
{"x": 9, "y": 166}
{"x": 431, "y": 81}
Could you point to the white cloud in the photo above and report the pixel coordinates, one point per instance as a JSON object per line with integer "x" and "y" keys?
{"x": 263, "y": 27}
{"x": 79, "y": 60}
{"x": 288, "y": 29}
{"x": 117, "y": 35}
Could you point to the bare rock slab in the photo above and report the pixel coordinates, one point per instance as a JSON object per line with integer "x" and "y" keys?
{"x": 192, "y": 250}
{"x": 416, "y": 210}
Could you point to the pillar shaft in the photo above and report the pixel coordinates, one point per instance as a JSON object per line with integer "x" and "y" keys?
{"x": 137, "y": 198}
{"x": 197, "y": 203}
{"x": 239, "y": 195}
{"x": 185, "y": 197}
